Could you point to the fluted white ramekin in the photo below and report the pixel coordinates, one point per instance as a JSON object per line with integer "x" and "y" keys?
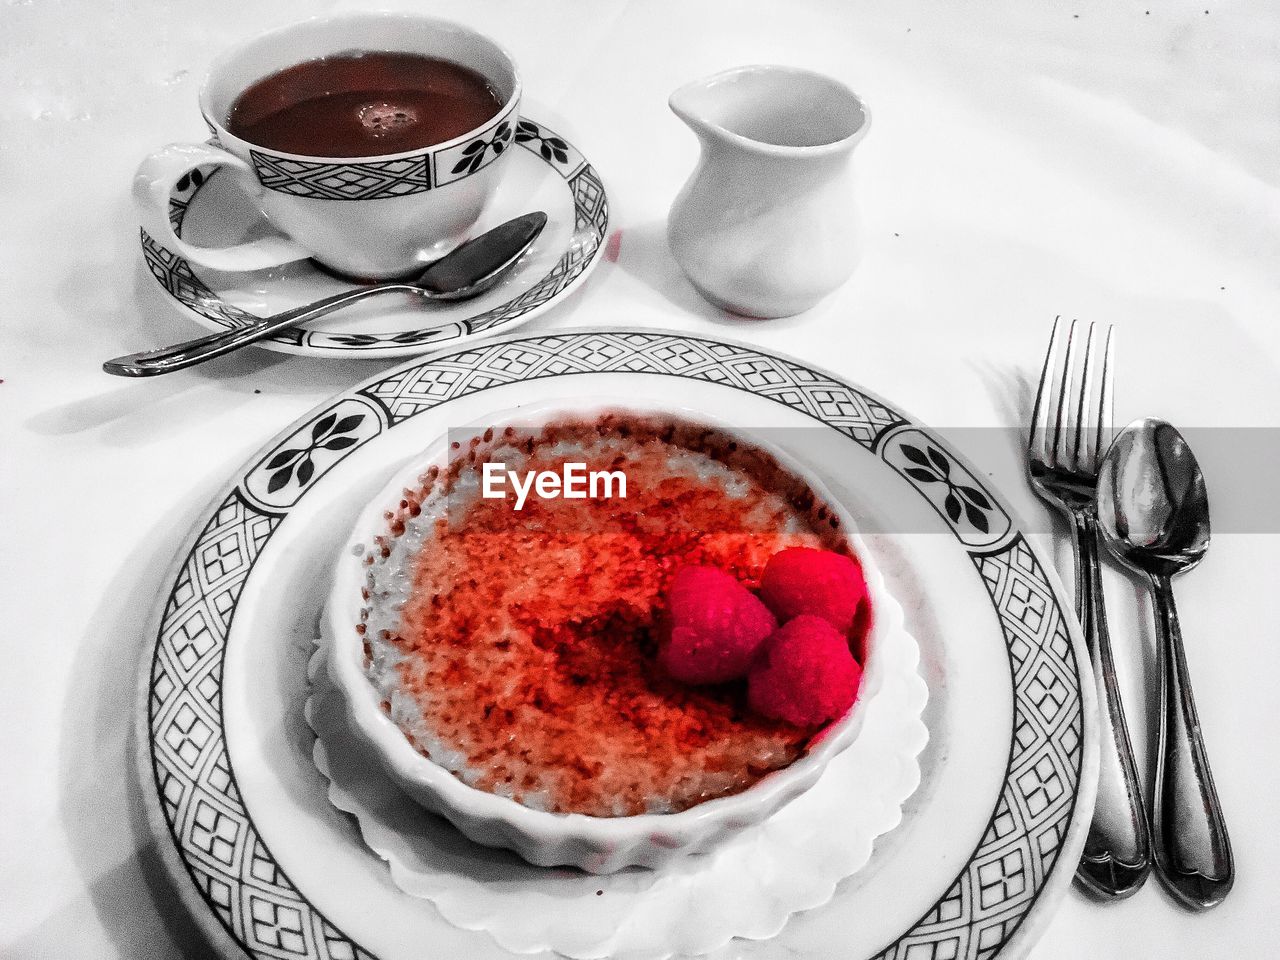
{"x": 595, "y": 844}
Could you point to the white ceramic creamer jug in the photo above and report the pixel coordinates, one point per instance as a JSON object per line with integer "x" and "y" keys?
{"x": 767, "y": 225}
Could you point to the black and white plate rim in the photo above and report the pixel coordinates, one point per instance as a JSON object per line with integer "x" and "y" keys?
{"x": 242, "y": 897}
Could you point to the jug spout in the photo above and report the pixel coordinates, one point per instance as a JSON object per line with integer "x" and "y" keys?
{"x": 689, "y": 103}
{"x": 773, "y": 109}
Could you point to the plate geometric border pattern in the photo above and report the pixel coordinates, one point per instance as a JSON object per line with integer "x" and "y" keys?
{"x": 591, "y": 223}
{"x": 232, "y": 866}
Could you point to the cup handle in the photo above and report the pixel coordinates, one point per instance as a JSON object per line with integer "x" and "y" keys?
{"x": 155, "y": 181}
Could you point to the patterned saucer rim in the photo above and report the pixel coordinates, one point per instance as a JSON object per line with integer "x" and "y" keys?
{"x": 999, "y": 899}
{"x": 183, "y": 286}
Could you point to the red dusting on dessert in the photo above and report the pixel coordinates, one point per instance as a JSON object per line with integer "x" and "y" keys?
{"x": 818, "y": 582}
{"x": 717, "y": 625}
{"x": 805, "y": 674}
{"x": 531, "y": 637}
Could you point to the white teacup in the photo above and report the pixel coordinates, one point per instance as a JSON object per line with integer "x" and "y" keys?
{"x": 374, "y": 217}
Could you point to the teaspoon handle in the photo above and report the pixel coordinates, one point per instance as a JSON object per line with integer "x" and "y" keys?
{"x": 1193, "y": 851}
{"x": 179, "y": 356}
{"x": 1117, "y": 853}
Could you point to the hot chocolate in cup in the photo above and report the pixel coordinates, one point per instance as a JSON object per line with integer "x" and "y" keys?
{"x": 372, "y": 215}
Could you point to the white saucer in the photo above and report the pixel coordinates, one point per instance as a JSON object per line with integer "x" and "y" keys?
{"x": 548, "y": 174}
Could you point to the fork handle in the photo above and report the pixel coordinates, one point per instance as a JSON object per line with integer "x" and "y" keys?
{"x": 1192, "y": 848}
{"x": 1117, "y": 852}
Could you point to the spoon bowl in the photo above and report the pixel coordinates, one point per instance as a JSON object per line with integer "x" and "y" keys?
{"x": 1152, "y": 502}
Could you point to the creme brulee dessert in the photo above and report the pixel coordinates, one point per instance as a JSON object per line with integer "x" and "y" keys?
{"x": 517, "y": 648}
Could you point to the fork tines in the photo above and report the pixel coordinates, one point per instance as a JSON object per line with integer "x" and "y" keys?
{"x": 1070, "y": 426}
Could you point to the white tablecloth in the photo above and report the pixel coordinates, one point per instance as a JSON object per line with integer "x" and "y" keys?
{"x": 1113, "y": 161}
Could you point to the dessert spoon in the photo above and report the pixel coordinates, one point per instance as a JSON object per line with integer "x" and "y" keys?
{"x": 1154, "y": 515}
{"x": 467, "y": 271}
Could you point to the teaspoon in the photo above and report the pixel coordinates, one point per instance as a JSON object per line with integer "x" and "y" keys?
{"x": 467, "y": 271}
{"x": 1154, "y": 515}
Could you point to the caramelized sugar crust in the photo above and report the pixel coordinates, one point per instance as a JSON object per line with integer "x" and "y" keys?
{"x": 524, "y": 654}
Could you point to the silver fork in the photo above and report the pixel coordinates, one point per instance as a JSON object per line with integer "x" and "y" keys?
{"x": 1070, "y": 432}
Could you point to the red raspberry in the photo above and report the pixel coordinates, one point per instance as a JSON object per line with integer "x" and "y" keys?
{"x": 805, "y": 674}
{"x": 803, "y": 580}
{"x": 717, "y": 625}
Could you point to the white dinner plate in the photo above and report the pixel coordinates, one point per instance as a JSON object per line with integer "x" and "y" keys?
{"x": 988, "y": 843}
{"x": 547, "y": 173}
